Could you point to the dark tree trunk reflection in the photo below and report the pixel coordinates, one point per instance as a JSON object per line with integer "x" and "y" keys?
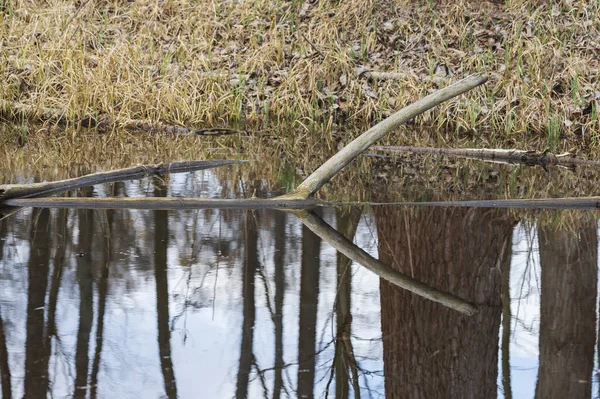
{"x": 37, "y": 354}
{"x": 86, "y": 300}
{"x": 102, "y": 296}
{"x": 431, "y": 351}
{"x": 4, "y": 366}
{"x": 161, "y": 245}
{"x": 249, "y": 306}
{"x": 309, "y": 297}
{"x": 506, "y": 321}
{"x": 60, "y": 245}
{"x": 5, "y": 377}
{"x": 279, "y": 262}
{"x": 569, "y": 263}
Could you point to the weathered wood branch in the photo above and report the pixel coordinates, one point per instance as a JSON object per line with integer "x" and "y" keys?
{"x": 529, "y": 158}
{"x": 283, "y": 203}
{"x": 10, "y": 191}
{"x": 332, "y": 166}
{"x": 161, "y": 127}
{"x": 161, "y": 203}
{"x": 346, "y": 247}
{"x": 545, "y": 203}
{"x": 360, "y": 72}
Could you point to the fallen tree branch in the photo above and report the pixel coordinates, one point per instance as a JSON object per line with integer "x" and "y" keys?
{"x": 160, "y": 127}
{"x": 334, "y": 164}
{"x": 161, "y": 203}
{"x": 346, "y": 247}
{"x": 529, "y": 158}
{"x": 544, "y": 203}
{"x": 11, "y": 191}
{"x": 360, "y": 72}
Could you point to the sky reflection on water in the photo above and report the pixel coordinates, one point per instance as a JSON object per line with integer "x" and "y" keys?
{"x": 217, "y": 304}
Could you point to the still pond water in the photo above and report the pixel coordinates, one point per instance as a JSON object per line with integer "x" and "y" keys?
{"x": 223, "y": 304}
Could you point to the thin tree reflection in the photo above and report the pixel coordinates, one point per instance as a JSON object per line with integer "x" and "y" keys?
{"x": 506, "y": 320}
{"x": 161, "y": 245}
{"x": 249, "y": 307}
{"x": 569, "y": 264}
{"x": 279, "y": 262}
{"x": 5, "y": 377}
{"x": 344, "y": 361}
{"x": 86, "y": 300}
{"x": 61, "y": 235}
{"x": 102, "y": 296}
{"x": 4, "y": 366}
{"x": 309, "y": 297}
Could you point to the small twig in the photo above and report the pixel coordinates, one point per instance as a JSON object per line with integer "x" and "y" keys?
{"x": 311, "y": 45}
{"x": 75, "y": 15}
{"x": 19, "y": 111}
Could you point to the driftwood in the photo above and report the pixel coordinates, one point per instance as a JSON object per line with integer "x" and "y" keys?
{"x": 160, "y": 127}
{"x": 359, "y": 145}
{"x": 345, "y": 246}
{"x": 545, "y": 203}
{"x": 11, "y": 191}
{"x": 162, "y": 203}
{"x": 362, "y": 72}
{"x": 529, "y": 158}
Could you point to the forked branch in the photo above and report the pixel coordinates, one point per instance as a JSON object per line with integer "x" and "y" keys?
{"x": 359, "y": 145}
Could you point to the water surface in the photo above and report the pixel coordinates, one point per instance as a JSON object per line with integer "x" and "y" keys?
{"x": 222, "y": 303}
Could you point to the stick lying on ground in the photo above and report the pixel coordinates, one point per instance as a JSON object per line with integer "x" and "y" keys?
{"x": 10, "y": 191}
{"x": 345, "y": 246}
{"x": 102, "y": 122}
{"x": 530, "y": 158}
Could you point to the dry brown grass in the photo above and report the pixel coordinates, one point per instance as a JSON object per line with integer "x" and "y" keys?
{"x": 290, "y": 68}
{"x": 178, "y": 62}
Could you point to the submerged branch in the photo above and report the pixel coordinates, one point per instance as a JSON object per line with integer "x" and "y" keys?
{"x": 11, "y": 191}
{"x": 348, "y": 248}
{"x": 283, "y": 203}
{"x": 359, "y": 145}
{"x": 545, "y": 203}
{"x": 529, "y": 158}
{"x": 162, "y": 203}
